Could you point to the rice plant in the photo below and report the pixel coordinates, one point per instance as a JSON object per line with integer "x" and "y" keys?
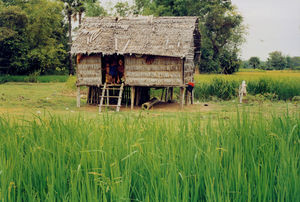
{"x": 145, "y": 157}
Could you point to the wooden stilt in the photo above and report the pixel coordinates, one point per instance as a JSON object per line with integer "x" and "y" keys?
{"x": 88, "y": 101}
{"x": 182, "y": 92}
{"x": 78, "y": 96}
{"x": 192, "y": 98}
{"x": 162, "y": 94}
{"x": 132, "y": 96}
{"x": 167, "y": 94}
{"x": 171, "y": 93}
{"x": 107, "y": 98}
{"x": 186, "y": 98}
{"x": 137, "y": 98}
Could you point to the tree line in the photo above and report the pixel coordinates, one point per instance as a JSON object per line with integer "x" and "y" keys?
{"x": 35, "y": 35}
{"x": 276, "y": 61}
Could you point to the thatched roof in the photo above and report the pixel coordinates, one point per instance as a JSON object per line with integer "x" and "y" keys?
{"x": 162, "y": 36}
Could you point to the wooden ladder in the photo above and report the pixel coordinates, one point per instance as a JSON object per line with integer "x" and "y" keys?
{"x": 106, "y": 89}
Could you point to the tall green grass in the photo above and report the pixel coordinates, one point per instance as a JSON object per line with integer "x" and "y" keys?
{"x": 225, "y": 89}
{"x": 129, "y": 157}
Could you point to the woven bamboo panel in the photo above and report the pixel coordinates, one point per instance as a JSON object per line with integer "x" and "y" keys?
{"x": 89, "y": 71}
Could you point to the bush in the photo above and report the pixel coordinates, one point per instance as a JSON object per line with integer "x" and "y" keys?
{"x": 71, "y": 82}
{"x": 33, "y": 78}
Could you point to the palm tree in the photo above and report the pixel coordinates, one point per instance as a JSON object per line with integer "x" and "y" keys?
{"x": 69, "y": 10}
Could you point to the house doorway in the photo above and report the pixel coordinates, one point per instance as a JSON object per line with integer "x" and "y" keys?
{"x": 113, "y": 68}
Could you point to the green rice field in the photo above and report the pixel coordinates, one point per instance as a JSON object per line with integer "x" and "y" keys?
{"x": 144, "y": 157}
{"x": 215, "y": 150}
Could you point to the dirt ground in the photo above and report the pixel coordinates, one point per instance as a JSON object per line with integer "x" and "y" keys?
{"x": 33, "y": 99}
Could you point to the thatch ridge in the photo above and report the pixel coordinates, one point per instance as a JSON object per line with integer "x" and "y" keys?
{"x": 145, "y": 35}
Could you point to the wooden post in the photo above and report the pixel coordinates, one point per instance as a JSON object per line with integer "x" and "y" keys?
{"x": 107, "y": 97}
{"x": 167, "y": 94}
{"x": 186, "y": 94}
{"x": 182, "y": 93}
{"x": 172, "y": 91}
{"x": 78, "y": 96}
{"x": 192, "y": 98}
{"x": 162, "y": 94}
{"x": 132, "y": 96}
{"x": 88, "y": 101}
{"x": 138, "y": 95}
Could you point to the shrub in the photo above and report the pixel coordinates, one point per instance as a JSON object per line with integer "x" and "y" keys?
{"x": 71, "y": 82}
{"x": 33, "y": 78}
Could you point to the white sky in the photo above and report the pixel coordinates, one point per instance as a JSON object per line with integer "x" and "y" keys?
{"x": 272, "y": 25}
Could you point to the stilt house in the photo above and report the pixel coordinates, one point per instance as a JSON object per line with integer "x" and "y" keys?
{"x": 157, "y": 52}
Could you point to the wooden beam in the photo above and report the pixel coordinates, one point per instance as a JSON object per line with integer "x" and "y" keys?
{"x": 167, "y": 94}
{"x": 171, "y": 93}
{"x": 132, "y": 96}
{"x": 138, "y": 95}
{"x": 78, "y": 96}
{"x": 193, "y": 95}
{"x": 162, "y": 94}
{"x": 186, "y": 94}
{"x": 182, "y": 93}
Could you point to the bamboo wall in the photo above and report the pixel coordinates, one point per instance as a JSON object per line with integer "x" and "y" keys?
{"x": 89, "y": 71}
{"x": 162, "y": 71}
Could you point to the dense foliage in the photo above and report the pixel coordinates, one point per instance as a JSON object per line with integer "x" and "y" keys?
{"x": 254, "y": 62}
{"x": 276, "y": 61}
{"x": 32, "y": 36}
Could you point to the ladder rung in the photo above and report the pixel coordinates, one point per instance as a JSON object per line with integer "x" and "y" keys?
{"x": 111, "y": 96}
{"x": 112, "y": 89}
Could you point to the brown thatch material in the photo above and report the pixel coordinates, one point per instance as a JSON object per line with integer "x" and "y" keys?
{"x": 161, "y": 36}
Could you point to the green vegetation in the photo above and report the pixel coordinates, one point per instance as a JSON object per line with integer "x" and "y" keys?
{"x": 144, "y": 157}
{"x": 275, "y": 61}
{"x": 274, "y": 85}
{"x": 34, "y": 79}
{"x": 36, "y": 39}
{"x": 33, "y": 34}
{"x": 254, "y": 62}
{"x": 52, "y": 151}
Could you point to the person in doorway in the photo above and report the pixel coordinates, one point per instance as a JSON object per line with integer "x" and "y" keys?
{"x": 108, "y": 78}
{"x": 113, "y": 71}
{"x": 120, "y": 71}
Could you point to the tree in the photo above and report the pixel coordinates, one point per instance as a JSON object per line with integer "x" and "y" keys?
{"x": 276, "y": 60}
{"x": 13, "y": 39}
{"x": 69, "y": 9}
{"x": 94, "y": 9}
{"x": 254, "y": 62}
{"x": 295, "y": 63}
{"x": 32, "y": 37}
{"x": 46, "y": 35}
{"x": 223, "y": 34}
{"x": 123, "y": 9}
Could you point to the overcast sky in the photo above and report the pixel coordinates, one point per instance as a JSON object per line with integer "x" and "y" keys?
{"x": 272, "y": 25}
